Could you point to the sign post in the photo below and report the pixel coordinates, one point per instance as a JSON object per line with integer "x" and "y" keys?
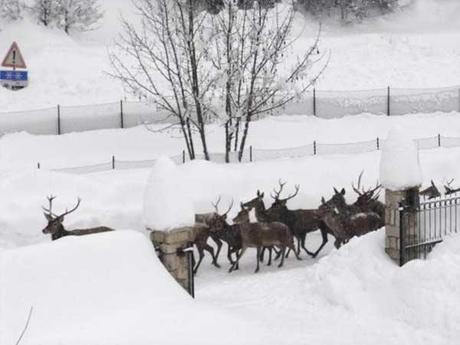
{"x": 14, "y": 79}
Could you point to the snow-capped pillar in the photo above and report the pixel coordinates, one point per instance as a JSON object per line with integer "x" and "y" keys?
{"x": 169, "y": 214}
{"x": 400, "y": 175}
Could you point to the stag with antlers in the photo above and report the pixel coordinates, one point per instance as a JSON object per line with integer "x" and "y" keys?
{"x": 204, "y": 224}
{"x": 55, "y": 225}
{"x": 300, "y": 222}
{"x": 368, "y": 200}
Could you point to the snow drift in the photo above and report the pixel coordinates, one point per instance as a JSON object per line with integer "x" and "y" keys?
{"x": 106, "y": 289}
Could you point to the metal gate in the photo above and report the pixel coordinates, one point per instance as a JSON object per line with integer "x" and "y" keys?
{"x": 426, "y": 224}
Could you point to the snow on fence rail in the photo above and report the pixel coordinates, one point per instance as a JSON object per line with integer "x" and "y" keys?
{"x": 320, "y": 103}
{"x": 258, "y": 155}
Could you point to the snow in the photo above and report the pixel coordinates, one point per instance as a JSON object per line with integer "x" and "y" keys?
{"x": 166, "y": 207}
{"x": 399, "y": 163}
{"x": 106, "y": 289}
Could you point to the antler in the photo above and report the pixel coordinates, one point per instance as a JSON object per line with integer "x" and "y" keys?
{"x": 357, "y": 191}
{"x": 216, "y": 205}
{"x": 297, "y": 188}
{"x": 72, "y": 210}
{"x": 277, "y": 194}
{"x": 50, "y": 207}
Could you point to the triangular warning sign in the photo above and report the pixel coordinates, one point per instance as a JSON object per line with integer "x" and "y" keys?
{"x": 14, "y": 58}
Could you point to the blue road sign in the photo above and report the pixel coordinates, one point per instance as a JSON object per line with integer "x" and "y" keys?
{"x": 14, "y": 75}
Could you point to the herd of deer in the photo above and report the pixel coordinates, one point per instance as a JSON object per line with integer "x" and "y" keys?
{"x": 277, "y": 228}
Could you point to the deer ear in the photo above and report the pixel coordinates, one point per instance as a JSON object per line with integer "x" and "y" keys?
{"x": 323, "y": 201}
{"x": 258, "y": 193}
{"x": 262, "y": 194}
{"x": 48, "y": 217}
{"x": 432, "y": 183}
{"x": 342, "y": 191}
{"x": 242, "y": 206}
{"x": 61, "y": 219}
{"x": 336, "y": 191}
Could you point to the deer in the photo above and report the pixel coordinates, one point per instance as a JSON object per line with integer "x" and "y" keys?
{"x": 300, "y": 222}
{"x": 243, "y": 218}
{"x": 230, "y": 234}
{"x": 449, "y": 189}
{"x": 345, "y": 225}
{"x": 367, "y": 200}
{"x": 431, "y": 192}
{"x": 347, "y": 221}
{"x": 55, "y": 225}
{"x": 203, "y": 233}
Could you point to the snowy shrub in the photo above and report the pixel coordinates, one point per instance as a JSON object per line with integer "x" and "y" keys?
{"x": 44, "y": 11}
{"x": 11, "y": 10}
{"x": 78, "y": 15}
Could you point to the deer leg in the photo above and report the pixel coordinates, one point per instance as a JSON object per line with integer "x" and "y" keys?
{"x": 238, "y": 257}
{"x": 230, "y": 250}
{"x": 209, "y": 249}
{"x": 201, "y": 253}
{"x": 283, "y": 249}
{"x": 305, "y": 248}
{"x": 324, "y": 236}
{"x": 270, "y": 256}
{"x": 258, "y": 259}
{"x": 219, "y": 247}
{"x": 262, "y": 254}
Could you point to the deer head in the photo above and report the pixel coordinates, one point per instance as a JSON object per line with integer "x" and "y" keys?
{"x": 276, "y": 195}
{"x": 449, "y": 189}
{"x": 242, "y": 216}
{"x": 366, "y": 196}
{"x": 55, "y": 221}
{"x": 258, "y": 200}
{"x": 219, "y": 221}
{"x": 432, "y": 191}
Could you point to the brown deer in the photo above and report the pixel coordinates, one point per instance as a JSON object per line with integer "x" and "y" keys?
{"x": 449, "y": 189}
{"x": 431, "y": 192}
{"x": 204, "y": 232}
{"x": 243, "y": 218}
{"x": 259, "y": 235}
{"x": 367, "y": 200}
{"x": 344, "y": 224}
{"x": 300, "y": 222}
{"x": 56, "y": 228}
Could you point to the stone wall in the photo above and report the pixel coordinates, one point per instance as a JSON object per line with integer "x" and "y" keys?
{"x": 170, "y": 246}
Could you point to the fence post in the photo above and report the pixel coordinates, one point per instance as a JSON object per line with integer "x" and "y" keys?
{"x": 314, "y": 101}
{"x": 314, "y": 147}
{"x": 183, "y": 156}
{"x": 388, "y": 101}
{"x": 250, "y": 154}
{"x": 378, "y": 143}
{"x": 38, "y": 165}
{"x": 113, "y": 162}
{"x": 59, "y": 119}
{"x": 439, "y": 140}
{"x": 122, "y": 120}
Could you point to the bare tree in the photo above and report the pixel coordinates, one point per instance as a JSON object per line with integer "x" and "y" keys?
{"x": 44, "y": 11}
{"x": 79, "y": 15}
{"x": 161, "y": 60}
{"x": 262, "y": 73}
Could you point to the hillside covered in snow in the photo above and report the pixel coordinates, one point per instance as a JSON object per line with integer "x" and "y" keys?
{"x": 412, "y": 48}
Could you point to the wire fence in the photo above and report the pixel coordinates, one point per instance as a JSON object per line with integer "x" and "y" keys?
{"x": 259, "y": 155}
{"x": 321, "y": 103}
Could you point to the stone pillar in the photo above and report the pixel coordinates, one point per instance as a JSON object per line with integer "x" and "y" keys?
{"x": 170, "y": 246}
{"x": 401, "y": 223}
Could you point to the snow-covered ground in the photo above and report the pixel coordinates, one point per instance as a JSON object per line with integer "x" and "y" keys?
{"x": 415, "y": 48}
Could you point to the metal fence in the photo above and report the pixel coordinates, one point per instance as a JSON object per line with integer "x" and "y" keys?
{"x": 320, "y": 103}
{"x": 426, "y": 225}
{"x": 257, "y": 155}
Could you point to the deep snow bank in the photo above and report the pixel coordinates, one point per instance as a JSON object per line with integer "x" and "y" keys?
{"x": 355, "y": 295}
{"x": 106, "y": 289}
